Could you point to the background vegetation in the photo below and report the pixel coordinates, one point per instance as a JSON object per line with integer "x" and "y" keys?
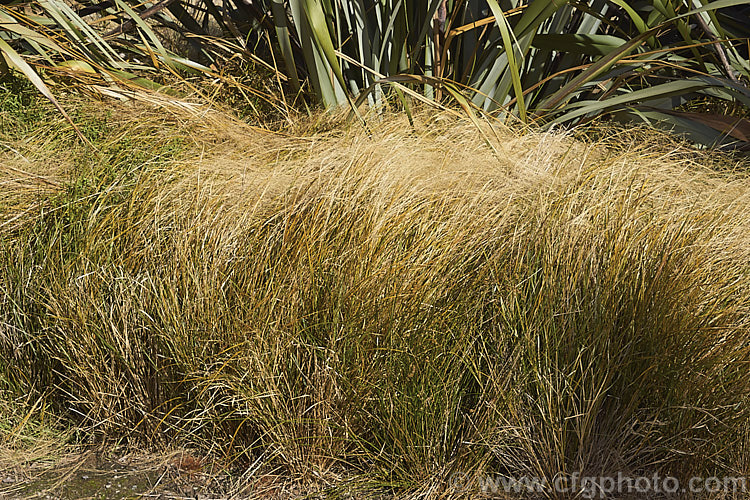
{"x": 541, "y": 62}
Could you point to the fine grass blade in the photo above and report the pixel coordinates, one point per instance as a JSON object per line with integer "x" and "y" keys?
{"x": 455, "y": 93}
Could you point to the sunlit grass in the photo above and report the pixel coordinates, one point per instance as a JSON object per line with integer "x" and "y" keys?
{"x": 387, "y": 309}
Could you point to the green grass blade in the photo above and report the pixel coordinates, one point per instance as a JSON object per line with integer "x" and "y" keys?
{"x": 318, "y": 73}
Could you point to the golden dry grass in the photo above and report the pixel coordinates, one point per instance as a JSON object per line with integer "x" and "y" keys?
{"x": 386, "y": 308}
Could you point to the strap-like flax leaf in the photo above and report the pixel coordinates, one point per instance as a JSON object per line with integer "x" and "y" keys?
{"x": 502, "y": 24}
{"x": 147, "y": 31}
{"x": 282, "y": 36}
{"x": 592, "y": 45}
{"x": 644, "y": 95}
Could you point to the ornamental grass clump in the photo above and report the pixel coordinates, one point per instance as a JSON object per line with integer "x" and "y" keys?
{"x": 388, "y": 310}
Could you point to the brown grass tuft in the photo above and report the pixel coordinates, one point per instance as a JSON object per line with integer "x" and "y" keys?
{"x": 386, "y": 310}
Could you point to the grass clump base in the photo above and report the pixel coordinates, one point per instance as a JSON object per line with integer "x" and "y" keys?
{"x": 380, "y": 313}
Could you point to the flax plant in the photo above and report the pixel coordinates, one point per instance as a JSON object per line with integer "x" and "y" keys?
{"x": 540, "y": 62}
